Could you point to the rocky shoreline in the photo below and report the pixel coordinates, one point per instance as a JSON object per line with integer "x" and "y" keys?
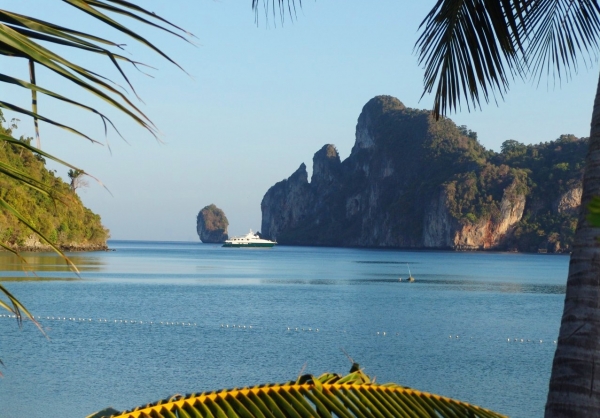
{"x": 65, "y": 248}
{"x": 33, "y": 244}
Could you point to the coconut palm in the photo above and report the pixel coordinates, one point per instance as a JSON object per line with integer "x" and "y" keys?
{"x": 36, "y": 41}
{"x": 470, "y": 50}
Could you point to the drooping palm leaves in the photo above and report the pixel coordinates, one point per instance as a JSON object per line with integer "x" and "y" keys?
{"x": 329, "y": 395}
{"x": 33, "y": 40}
{"x": 471, "y": 49}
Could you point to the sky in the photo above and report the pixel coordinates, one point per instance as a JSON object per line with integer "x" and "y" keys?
{"x": 256, "y": 101}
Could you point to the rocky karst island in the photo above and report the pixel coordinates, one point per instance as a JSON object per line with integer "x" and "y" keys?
{"x": 413, "y": 182}
{"x": 212, "y": 224}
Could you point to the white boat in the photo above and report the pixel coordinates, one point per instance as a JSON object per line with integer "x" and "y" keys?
{"x": 248, "y": 240}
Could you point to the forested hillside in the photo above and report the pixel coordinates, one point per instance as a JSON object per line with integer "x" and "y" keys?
{"x": 61, "y": 216}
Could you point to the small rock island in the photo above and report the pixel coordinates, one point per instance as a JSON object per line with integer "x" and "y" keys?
{"x": 212, "y": 224}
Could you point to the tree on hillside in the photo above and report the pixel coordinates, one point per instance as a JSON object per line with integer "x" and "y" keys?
{"x": 77, "y": 179}
{"x": 37, "y": 41}
{"x": 470, "y": 50}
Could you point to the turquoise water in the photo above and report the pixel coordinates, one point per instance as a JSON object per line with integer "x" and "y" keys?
{"x": 445, "y": 333}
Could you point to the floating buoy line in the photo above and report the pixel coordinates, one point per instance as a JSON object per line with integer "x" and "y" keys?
{"x": 232, "y": 327}
{"x": 107, "y": 321}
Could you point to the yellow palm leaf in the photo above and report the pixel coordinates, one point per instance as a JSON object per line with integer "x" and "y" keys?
{"x": 328, "y": 395}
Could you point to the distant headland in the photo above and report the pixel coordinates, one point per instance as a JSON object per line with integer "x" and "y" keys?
{"x": 414, "y": 182}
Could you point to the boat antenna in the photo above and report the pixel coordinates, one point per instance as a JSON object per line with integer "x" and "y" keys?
{"x": 409, "y": 275}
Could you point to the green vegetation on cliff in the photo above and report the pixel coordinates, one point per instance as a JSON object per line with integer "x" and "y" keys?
{"x": 61, "y": 217}
{"x": 414, "y": 182}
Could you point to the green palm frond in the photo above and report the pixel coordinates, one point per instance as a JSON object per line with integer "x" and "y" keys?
{"x": 21, "y": 37}
{"x": 471, "y": 49}
{"x": 329, "y": 395}
{"x": 13, "y": 304}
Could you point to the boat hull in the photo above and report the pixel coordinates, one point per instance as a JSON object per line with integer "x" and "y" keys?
{"x": 256, "y": 244}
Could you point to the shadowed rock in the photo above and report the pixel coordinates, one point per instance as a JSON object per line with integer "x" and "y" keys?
{"x": 211, "y": 225}
{"x": 413, "y": 182}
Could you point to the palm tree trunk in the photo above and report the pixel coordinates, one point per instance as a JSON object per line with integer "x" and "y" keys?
{"x": 575, "y": 380}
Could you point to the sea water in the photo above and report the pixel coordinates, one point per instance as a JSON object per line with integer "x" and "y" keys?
{"x": 153, "y": 319}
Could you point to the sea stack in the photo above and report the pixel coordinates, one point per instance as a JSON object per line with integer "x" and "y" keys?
{"x": 212, "y": 224}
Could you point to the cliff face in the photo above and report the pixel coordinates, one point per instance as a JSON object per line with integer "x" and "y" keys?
{"x": 212, "y": 224}
{"x": 416, "y": 183}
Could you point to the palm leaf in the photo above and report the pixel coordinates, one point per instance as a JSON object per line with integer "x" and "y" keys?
{"x": 17, "y": 309}
{"x": 18, "y": 36}
{"x": 329, "y": 395}
{"x": 270, "y": 6}
{"x": 36, "y": 88}
{"x": 471, "y": 49}
{"x": 9, "y": 209}
{"x": 559, "y": 32}
{"x": 23, "y": 46}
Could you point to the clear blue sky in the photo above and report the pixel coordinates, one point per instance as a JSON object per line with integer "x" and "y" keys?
{"x": 259, "y": 102}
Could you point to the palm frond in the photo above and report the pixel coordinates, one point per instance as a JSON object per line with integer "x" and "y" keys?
{"x": 559, "y": 32}
{"x": 6, "y": 207}
{"x": 276, "y": 7}
{"x": 19, "y": 36}
{"x": 329, "y": 395}
{"x": 17, "y": 308}
{"x": 470, "y": 51}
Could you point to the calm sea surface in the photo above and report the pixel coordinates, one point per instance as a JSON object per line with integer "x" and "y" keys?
{"x": 445, "y": 333}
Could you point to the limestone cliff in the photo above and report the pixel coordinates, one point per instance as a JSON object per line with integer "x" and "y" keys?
{"x": 212, "y": 224}
{"x": 414, "y": 182}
